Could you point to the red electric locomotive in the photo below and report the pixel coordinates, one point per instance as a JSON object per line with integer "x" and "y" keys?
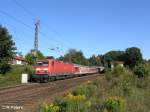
{"x": 51, "y": 69}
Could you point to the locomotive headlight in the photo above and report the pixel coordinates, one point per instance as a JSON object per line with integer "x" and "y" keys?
{"x": 38, "y": 69}
{"x": 45, "y": 69}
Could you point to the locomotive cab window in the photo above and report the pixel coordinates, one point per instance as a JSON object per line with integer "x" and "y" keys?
{"x": 42, "y": 63}
{"x": 39, "y": 64}
{"x": 45, "y": 63}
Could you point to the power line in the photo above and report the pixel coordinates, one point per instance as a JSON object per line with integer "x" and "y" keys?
{"x": 12, "y": 28}
{"x": 31, "y": 14}
{"x": 26, "y": 25}
{"x": 19, "y": 21}
{"x": 14, "y": 18}
{"x": 57, "y": 33}
{"x": 25, "y": 9}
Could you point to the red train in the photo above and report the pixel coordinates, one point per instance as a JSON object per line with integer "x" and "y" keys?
{"x": 51, "y": 69}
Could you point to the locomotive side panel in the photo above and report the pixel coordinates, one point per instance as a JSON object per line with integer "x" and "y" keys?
{"x": 61, "y": 68}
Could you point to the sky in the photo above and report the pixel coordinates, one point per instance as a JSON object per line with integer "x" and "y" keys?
{"x": 92, "y": 26}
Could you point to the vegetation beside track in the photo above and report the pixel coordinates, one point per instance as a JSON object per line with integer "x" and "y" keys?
{"x": 120, "y": 90}
{"x": 13, "y": 77}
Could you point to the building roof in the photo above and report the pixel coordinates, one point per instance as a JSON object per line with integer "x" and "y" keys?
{"x": 118, "y": 62}
{"x": 19, "y": 58}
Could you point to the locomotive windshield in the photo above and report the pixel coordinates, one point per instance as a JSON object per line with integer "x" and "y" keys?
{"x": 42, "y": 63}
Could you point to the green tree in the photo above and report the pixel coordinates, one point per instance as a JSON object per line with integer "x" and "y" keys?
{"x": 61, "y": 58}
{"x": 31, "y": 57}
{"x": 7, "y": 49}
{"x": 74, "y": 56}
{"x": 133, "y": 57}
{"x": 114, "y": 56}
{"x": 149, "y": 61}
{"x": 141, "y": 71}
{"x": 39, "y": 55}
{"x": 95, "y": 60}
{"x": 101, "y": 59}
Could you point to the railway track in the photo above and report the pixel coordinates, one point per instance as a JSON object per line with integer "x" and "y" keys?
{"x": 16, "y": 87}
{"x": 27, "y": 98}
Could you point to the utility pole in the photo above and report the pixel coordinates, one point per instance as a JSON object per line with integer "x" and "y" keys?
{"x": 70, "y": 58}
{"x": 36, "y": 36}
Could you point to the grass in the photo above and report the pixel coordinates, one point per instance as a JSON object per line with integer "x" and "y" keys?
{"x": 12, "y": 77}
{"x": 120, "y": 90}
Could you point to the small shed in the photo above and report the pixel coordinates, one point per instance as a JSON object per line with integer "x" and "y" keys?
{"x": 117, "y": 63}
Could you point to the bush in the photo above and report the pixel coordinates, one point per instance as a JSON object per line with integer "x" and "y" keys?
{"x": 28, "y": 69}
{"x": 142, "y": 82}
{"x": 108, "y": 75}
{"x": 140, "y": 71}
{"x": 12, "y": 77}
{"x": 119, "y": 71}
{"x": 87, "y": 90}
{"x": 69, "y": 103}
{"x": 97, "y": 83}
{"x": 45, "y": 107}
{"x": 126, "y": 87}
{"x": 115, "y": 104}
{"x": 117, "y": 76}
{"x": 72, "y": 103}
{"x": 4, "y": 68}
